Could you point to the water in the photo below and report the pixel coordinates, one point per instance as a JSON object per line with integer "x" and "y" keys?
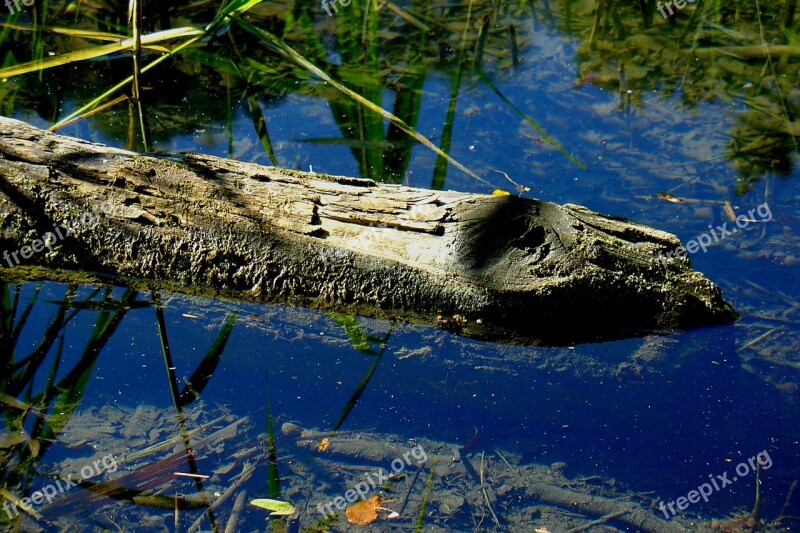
{"x": 655, "y": 417}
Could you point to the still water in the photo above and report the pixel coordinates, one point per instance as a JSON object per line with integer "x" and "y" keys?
{"x": 299, "y": 406}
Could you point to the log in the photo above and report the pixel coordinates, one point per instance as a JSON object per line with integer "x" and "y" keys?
{"x": 635, "y": 516}
{"x": 493, "y": 267}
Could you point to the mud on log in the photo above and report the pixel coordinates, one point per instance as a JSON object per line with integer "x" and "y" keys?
{"x": 497, "y": 267}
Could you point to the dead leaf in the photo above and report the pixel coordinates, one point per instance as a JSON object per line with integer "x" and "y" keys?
{"x": 669, "y": 198}
{"x": 364, "y": 512}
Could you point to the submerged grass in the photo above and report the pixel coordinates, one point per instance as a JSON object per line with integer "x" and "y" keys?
{"x": 425, "y": 498}
{"x": 735, "y": 52}
{"x": 33, "y": 421}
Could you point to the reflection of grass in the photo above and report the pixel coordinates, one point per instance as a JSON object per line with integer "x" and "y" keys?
{"x": 724, "y": 51}
{"x": 51, "y": 409}
{"x": 195, "y": 385}
{"x": 34, "y": 421}
{"x": 288, "y": 53}
{"x": 273, "y": 480}
{"x": 362, "y": 342}
{"x": 378, "y": 48}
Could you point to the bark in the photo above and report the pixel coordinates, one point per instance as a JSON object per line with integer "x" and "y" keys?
{"x": 497, "y": 267}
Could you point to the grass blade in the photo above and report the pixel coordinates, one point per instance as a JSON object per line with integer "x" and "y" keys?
{"x": 528, "y": 120}
{"x": 289, "y": 53}
{"x": 202, "y": 375}
{"x": 150, "y": 41}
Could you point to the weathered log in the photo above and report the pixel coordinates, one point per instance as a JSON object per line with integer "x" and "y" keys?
{"x": 500, "y": 267}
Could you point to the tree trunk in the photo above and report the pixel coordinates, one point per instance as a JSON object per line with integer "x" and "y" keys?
{"x": 497, "y": 267}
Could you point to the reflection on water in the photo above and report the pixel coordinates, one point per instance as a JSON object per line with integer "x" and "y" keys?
{"x": 298, "y": 406}
{"x": 294, "y": 405}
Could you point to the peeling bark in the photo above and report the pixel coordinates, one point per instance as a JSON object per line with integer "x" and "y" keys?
{"x": 495, "y": 267}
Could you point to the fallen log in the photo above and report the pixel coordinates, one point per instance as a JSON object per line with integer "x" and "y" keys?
{"x": 497, "y": 267}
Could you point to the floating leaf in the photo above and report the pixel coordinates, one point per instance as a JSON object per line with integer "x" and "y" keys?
{"x": 364, "y": 512}
{"x": 669, "y": 198}
{"x": 278, "y": 508}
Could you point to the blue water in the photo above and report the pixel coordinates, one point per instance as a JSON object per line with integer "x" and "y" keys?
{"x": 666, "y": 430}
{"x": 707, "y": 405}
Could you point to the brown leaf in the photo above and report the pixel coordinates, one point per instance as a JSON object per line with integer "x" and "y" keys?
{"x": 364, "y": 512}
{"x": 669, "y": 198}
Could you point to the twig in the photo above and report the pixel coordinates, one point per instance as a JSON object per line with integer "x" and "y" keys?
{"x": 17, "y": 503}
{"x": 781, "y": 362}
{"x": 756, "y": 286}
{"x": 788, "y": 497}
{"x": 180, "y": 501}
{"x": 500, "y": 455}
{"x": 775, "y": 319}
{"x": 756, "y": 513}
{"x": 601, "y": 520}
{"x": 238, "y": 506}
{"x": 410, "y": 488}
{"x": 759, "y": 338}
{"x": 486, "y": 496}
{"x": 169, "y": 442}
{"x": 244, "y": 476}
{"x": 788, "y": 299}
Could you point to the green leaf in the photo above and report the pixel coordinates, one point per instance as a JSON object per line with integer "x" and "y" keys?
{"x": 278, "y": 508}
{"x": 232, "y": 7}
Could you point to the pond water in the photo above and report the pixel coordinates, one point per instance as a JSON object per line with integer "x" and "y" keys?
{"x": 572, "y": 102}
